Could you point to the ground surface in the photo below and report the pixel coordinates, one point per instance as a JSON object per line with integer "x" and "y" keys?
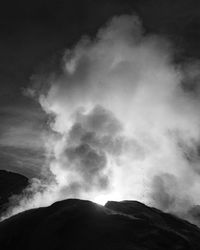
{"x": 78, "y": 224}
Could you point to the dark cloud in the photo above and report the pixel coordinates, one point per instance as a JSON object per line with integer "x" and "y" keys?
{"x": 193, "y": 214}
{"x": 162, "y": 191}
{"x": 168, "y": 196}
{"x": 100, "y": 121}
{"x": 91, "y": 137}
{"x": 88, "y": 162}
{"x": 191, "y": 151}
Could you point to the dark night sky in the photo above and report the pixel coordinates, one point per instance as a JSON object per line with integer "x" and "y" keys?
{"x": 33, "y": 36}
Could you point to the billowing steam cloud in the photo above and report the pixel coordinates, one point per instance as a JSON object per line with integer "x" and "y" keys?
{"x": 125, "y": 123}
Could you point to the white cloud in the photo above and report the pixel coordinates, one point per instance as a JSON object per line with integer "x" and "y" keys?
{"x": 121, "y": 92}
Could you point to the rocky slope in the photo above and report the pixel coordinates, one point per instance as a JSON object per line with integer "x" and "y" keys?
{"x": 78, "y": 224}
{"x": 10, "y": 184}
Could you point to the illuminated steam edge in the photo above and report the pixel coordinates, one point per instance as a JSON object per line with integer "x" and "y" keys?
{"x": 119, "y": 99}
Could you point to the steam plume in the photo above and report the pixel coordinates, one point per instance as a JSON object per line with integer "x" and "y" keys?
{"x": 125, "y": 122}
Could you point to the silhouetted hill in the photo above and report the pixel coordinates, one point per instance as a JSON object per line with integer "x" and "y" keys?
{"x": 10, "y": 184}
{"x": 78, "y": 224}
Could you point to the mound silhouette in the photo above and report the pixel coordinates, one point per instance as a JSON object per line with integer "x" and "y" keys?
{"x": 10, "y": 184}
{"x": 79, "y": 224}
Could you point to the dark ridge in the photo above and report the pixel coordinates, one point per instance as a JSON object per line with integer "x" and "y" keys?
{"x": 79, "y": 224}
{"x": 10, "y": 184}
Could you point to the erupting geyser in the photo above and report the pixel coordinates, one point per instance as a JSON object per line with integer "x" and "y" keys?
{"x": 122, "y": 126}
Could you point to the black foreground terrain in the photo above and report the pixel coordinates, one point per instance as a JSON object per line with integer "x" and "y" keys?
{"x": 79, "y": 224}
